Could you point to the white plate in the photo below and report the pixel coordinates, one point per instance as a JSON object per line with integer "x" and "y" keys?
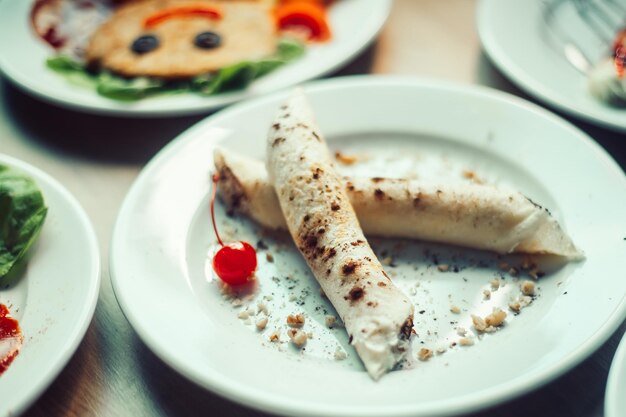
{"x": 615, "y": 401}
{"x": 163, "y": 234}
{"x": 55, "y": 299}
{"x": 515, "y": 37}
{"x": 354, "y": 23}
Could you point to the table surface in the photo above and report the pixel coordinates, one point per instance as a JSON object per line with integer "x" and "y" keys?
{"x": 113, "y": 373}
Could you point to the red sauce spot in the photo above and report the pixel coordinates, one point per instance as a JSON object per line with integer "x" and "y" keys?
{"x": 9, "y": 329}
{"x": 235, "y": 262}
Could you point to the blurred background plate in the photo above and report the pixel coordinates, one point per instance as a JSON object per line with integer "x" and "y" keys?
{"x": 354, "y": 23}
{"x": 55, "y": 299}
{"x": 515, "y": 36}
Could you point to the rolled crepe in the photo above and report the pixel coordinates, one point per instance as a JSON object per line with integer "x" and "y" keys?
{"x": 471, "y": 215}
{"x": 377, "y": 316}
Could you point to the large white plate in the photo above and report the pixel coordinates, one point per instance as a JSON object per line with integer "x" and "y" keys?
{"x": 615, "y": 400}
{"x": 55, "y": 299}
{"x": 429, "y": 128}
{"x": 518, "y": 41}
{"x": 22, "y": 59}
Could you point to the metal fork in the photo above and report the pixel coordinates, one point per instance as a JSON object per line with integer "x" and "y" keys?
{"x": 600, "y": 19}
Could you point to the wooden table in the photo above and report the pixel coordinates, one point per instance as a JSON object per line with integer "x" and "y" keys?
{"x": 113, "y": 373}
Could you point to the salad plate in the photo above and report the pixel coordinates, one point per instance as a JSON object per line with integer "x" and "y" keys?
{"x": 54, "y": 299}
{"x": 615, "y": 402}
{"x": 236, "y": 343}
{"x": 517, "y": 38}
{"x": 354, "y": 24}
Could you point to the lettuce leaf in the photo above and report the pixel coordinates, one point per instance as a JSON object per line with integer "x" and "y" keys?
{"x": 22, "y": 214}
{"x": 230, "y": 78}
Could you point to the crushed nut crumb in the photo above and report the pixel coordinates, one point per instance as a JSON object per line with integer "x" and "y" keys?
{"x": 387, "y": 261}
{"x": 424, "y": 354}
{"x": 331, "y": 321}
{"x": 466, "y": 341}
{"x": 295, "y": 320}
{"x": 345, "y": 159}
{"x": 443, "y": 267}
{"x": 486, "y": 294}
{"x": 261, "y": 324}
{"x": 297, "y": 336}
{"x": 461, "y": 331}
{"x": 455, "y": 309}
{"x": 528, "y": 288}
{"x": 496, "y": 318}
{"x": 495, "y": 284}
{"x": 340, "y": 354}
{"x": 275, "y": 336}
{"x": 243, "y": 315}
{"x": 269, "y": 257}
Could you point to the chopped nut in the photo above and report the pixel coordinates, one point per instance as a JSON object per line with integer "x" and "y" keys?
{"x": 471, "y": 175}
{"x": 292, "y": 297}
{"x": 261, "y": 324}
{"x": 387, "y": 261}
{"x": 455, "y": 310}
{"x": 496, "y": 318}
{"x": 275, "y": 336}
{"x": 262, "y": 307}
{"x": 515, "y": 306}
{"x": 486, "y": 294}
{"x": 298, "y": 337}
{"x": 345, "y": 159}
{"x": 528, "y": 288}
{"x": 269, "y": 257}
{"x": 424, "y": 354}
{"x": 479, "y": 323}
{"x": 466, "y": 341}
{"x": 340, "y": 354}
{"x": 236, "y": 302}
{"x": 330, "y": 321}
{"x": 296, "y": 320}
{"x": 495, "y": 284}
{"x": 441, "y": 349}
{"x": 461, "y": 331}
{"x": 443, "y": 267}
{"x": 244, "y": 315}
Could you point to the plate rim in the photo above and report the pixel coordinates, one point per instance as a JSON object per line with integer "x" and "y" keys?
{"x": 193, "y": 109}
{"x": 616, "y": 373}
{"x": 466, "y": 403}
{"x": 527, "y": 83}
{"x": 89, "y": 301}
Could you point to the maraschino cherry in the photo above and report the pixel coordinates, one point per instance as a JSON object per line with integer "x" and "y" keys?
{"x": 235, "y": 262}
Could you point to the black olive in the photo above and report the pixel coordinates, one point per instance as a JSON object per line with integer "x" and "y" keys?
{"x": 144, "y": 44}
{"x": 207, "y": 40}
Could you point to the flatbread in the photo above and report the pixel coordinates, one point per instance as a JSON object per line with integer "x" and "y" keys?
{"x": 471, "y": 215}
{"x": 247, "y": 33}
{"x": 377, "y": 315}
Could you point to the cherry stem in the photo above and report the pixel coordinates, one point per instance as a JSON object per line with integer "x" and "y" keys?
{"x": 215, "y": 178}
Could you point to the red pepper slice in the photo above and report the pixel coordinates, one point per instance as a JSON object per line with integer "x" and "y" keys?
{"x": 161, "y": 16}
{"x": 309, "y": 15}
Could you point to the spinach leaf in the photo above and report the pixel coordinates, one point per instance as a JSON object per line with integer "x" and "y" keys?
{"x": 22, "y": 214}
